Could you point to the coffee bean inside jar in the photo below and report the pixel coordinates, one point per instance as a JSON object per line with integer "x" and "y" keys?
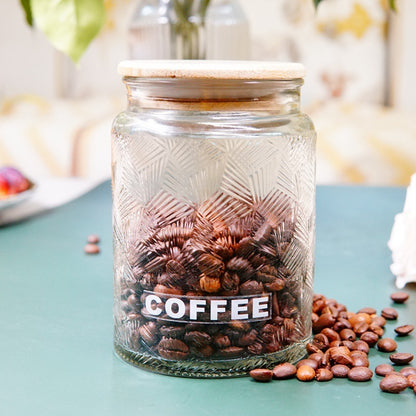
{"x": 213, "y": 223}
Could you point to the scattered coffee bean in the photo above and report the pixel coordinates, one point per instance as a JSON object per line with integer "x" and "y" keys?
{"x": 309, "y": 362}
{"x": 387, "y": 345}
{"x": 348, "y": 335}
{"x": 323, "y": 374}
{"x": 378, "y": 330}
{"x": 393, "y": 383}
{"x": 284, "y": 371}
{"x": 411, "y": 380}
{"x": 384, "y": 369}
{"x": 360, "y": 345}
{"x": 399, "y": 297}
{"x": 358, "y": 361}
{"x": 360, "y": 374}
{"x": 401, "y": 358}
{"x": 407, "y": 371}
{"x": 360, "y": 327}
{"x": 404, "y": 330}
{"x": 91, "y": 249}
{"x": 368, "y": 311}
{"x": 317, "y": 357}
{"x": 261, "y": 374}
{"x": 378, "y": 321}
{"x": 389, "y": 313}
{"x": 93, "y": 239}
{"x": 359, "y": 317}
{"x": 370, "y": 338}
{"x": 305, "y": 373}
{"x": 340, "y": 371}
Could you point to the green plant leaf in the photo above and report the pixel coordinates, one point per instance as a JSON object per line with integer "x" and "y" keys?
{"x": 392, "y": 4}
{"x": 316, "y": 2}
{"x": 28, "y": 11}
{"x": 70, "y": 25}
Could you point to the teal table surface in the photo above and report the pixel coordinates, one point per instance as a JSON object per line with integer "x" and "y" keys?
{"x": 56, "y": 319}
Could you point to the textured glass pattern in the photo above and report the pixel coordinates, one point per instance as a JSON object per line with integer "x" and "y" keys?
{"x": 211, "y": 215}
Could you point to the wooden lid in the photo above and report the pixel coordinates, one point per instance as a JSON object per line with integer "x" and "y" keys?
{"x": 206, "y": 69}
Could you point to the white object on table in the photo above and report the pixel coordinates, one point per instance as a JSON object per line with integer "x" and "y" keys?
{"x": 402, "y": 241}
{"x": 49, "y": 193}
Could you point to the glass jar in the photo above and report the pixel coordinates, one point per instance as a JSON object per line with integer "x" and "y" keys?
{"x": 213, "y": 214}
{"x": 197, "y": 29}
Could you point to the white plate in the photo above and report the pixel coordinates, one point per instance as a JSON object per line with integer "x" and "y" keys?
{"x": 16, "y": 199}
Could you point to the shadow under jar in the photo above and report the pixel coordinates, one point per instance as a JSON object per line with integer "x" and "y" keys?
{"x": 214, "y": 217}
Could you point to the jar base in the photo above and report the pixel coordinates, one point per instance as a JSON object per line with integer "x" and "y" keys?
{"x": 237, "y": 367}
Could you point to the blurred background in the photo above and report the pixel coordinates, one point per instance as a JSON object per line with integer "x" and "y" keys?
{"x": 55, "y": 116}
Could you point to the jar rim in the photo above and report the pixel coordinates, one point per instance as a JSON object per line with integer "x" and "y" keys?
{"x": 212, "y": 69}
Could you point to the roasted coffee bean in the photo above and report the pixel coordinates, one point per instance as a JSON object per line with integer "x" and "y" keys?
{"x": 393, "y": 383}
{"x": 340, "y": 371}
{"x": 309, "y": 362}
{"x": 172, "y": 349}
{"x": 240, "y": 326}
{"x": 256, "y": 348}
{"x": 305, "y": 373}
{"x": 172, "y": 331}
{"x": 360, "y": 374}
{"x": 370, "y": 338}
{"x": 323, "y": 374}
{"x": 389, "y": 313}
{"x": 348, "y": 344}
{"x": 399, "y": 297}
{"x": 210, "y": 265}
{"x": 247, "y": 339}
{"x": 378, "y": 330}
{"x": 348, "y": 335}
{"x": 387, "y": 345}
{"x": 165, "y": 290}
{"x": 222, "y": 341}
{"x": 378, "y": 321}
{"x": 368, "y": 311}
{"x": 174, "y": 267}
{"x": 341, "y": 324}
{"x": 355, "y": 318}
{"x": 401, "y": 358}
{"x": 335, "y": 344}
{"x": 230, "y": 352}
{"x": 275, "y": 286}
{"x": 148, "y": 333}
{"x": 284, "y": 371}
{"x": 359, "y": 361}
{"x": 240, "y": 266}
{"x": 261, "y": 374}
{"x": 316, "y": 357}
{"x": 326, "y": 320}
{"x": 360, "y": 327}
{"x": 210, "y": 284}
{"x": 404, "y": 330}
{"x": 91, "y": 249}
{"x": 340, "y": 355}
{"x": 331, "y": 334}
{"x": 312, "y": 348}
{"x": 93, "y": 239}
{"x": 384, "y": 369}
{"x": 360, "y": 345}
{"x": 407, "y": 371}
{"x": 197, "y": 338}
{"x": 230, "y": 281}
{"x": 320, "y": 341}
{"x": 134, "y": 302}
{"x": 251, "y": 287}
{"x": 411, "y": 380}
